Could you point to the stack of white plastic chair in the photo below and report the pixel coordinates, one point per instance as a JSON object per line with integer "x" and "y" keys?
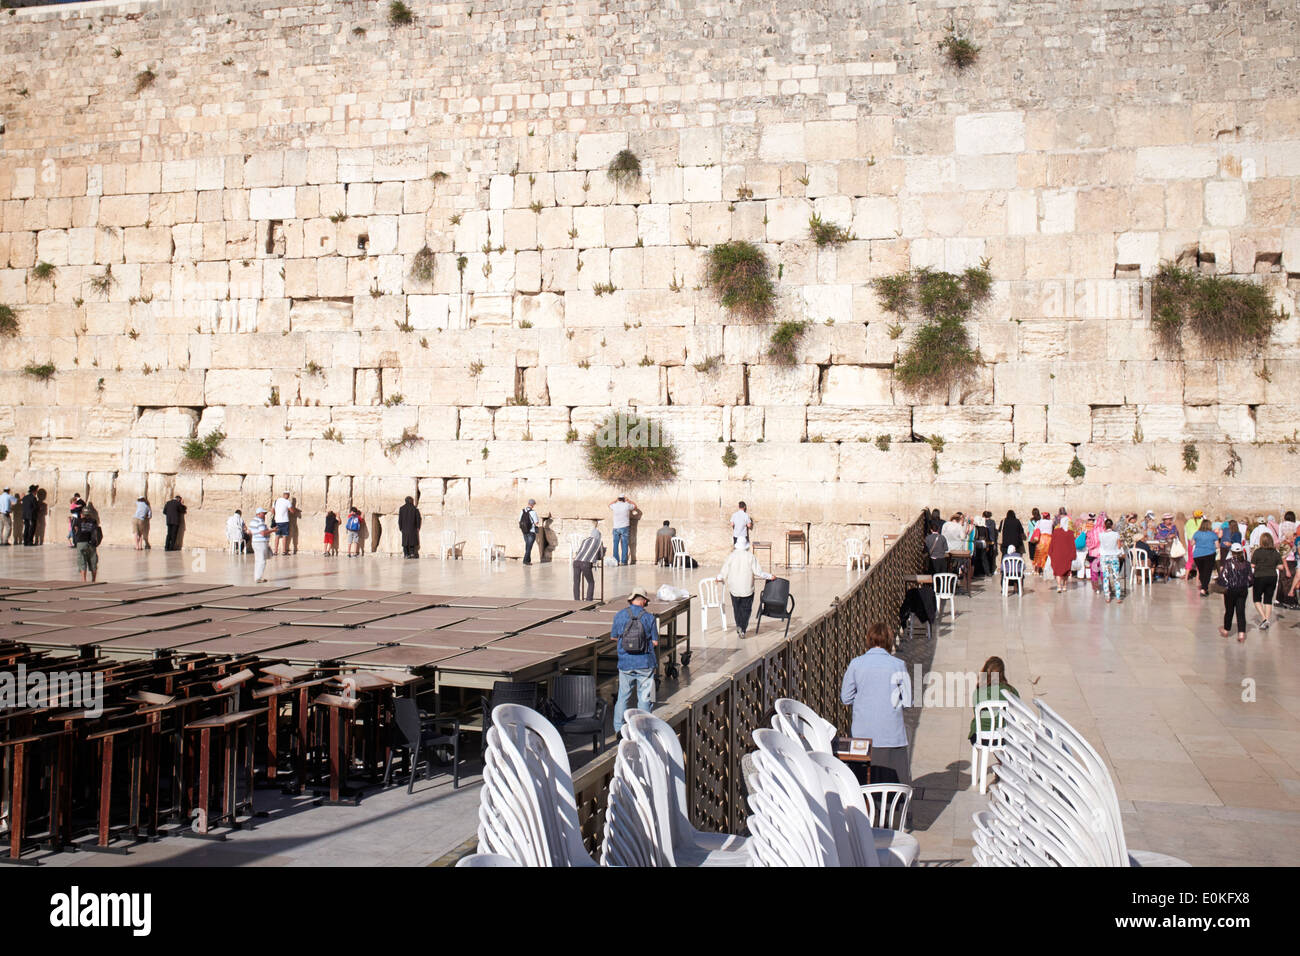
{"x": 788, "y": 816}
{"x": 1054, "y": 803}
{"x": 680, "y": 843}
{"x": 802, "y": 725}
{"x": 636, "y": 810}
{"x": 527, "y": 811}
{"x": 800, "y": 722}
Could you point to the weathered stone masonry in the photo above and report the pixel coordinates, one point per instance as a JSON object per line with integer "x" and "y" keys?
{"x": 262, "y": 201}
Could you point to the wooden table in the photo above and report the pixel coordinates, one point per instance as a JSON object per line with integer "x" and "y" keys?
{"x": 962, "y": 568}
{"x": 800, "y": 538}
{"x": 758, "y": 546}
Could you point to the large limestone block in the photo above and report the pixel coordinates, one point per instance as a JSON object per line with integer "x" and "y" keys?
{"x": 1045, "y": 466}
{"x": 964, "y": 423}
{"x": 852, "y": 385}
{"x": 1094, "y": 383}
{"x": 1277, "y": 422}
{"x": 161, "y": 388}
{"x": 684, "y": 424}
{"x": 636, "y": 385}
{"x": 776, "y": 385}
{"x": 985, "y": 133}
{"x": 1162, "y": 422}
{"x": 1113, "y": 423}
{"x": 320, "y": 315}
{"x": 787, "y": 219}
{"x": 1153, "y": 382}
{"x": 1069, "y": 422}
{"x": 76, "y": 454}
{"x": 969, "y": 462}
{"x": 572, "y": 385}
{"x": 785, "y": 423}
{"x": 722, "y": 385}
{"x": 166, "y": 423}
{"x": 476, "y": 424}
{"x": 861, "y": 423}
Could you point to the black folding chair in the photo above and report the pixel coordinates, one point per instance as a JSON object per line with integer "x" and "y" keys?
{"x": 776, "y": 602}
{"x": 576, "y": 709}
{"x": 417, "y": 733}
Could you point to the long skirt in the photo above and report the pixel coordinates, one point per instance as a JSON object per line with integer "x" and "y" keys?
{"x": 1040, "y": 556}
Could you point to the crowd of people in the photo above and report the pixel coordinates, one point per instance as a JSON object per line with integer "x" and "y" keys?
{"x": 1251, "y": 560}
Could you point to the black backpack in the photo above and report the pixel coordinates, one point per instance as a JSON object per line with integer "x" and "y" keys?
{"x": 525, "y": 522}
{"x": 634, "y": 639}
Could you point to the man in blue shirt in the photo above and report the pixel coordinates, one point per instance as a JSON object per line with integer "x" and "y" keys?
{"x": 632, "y": 667}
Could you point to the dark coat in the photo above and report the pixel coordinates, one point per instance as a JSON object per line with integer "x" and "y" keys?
{"x": 173, "y": 511}
{"x": 408, "y": 522}
{"x": 30, "y": 506}
{"x": 1013, "y": 532}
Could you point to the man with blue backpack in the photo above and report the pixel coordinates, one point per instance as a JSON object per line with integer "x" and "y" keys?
{"x": 353, "y": 527}
{"x": 637, "y": 633}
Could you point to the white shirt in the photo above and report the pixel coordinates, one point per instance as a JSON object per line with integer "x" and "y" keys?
{"x": 1258, "y": 533}
{"x": 740, "y": 523}
{"x": 282, "y": 510}
{"x": 1109, "y": 542}
{"x": 234, "y": 528}
{"x": 954, "y": 535}
{"x": 738, "y": 573}
{"x": 622, "y": 514}
{"x": 1045, "y": 526}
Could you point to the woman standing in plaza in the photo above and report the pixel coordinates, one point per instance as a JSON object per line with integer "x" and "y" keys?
{"x": 1265, "y": 561}
{"x": 1062, "y": 553}
{"x": 1236, "y": 577}
{"x": 1044, "y": 531}
{"x": 877, "y": 687}
{"x": 1108, "y": 551}
{"x": 1203, "y": 546}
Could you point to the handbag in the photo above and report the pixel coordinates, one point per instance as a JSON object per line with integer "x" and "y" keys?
{"x": 1176, "y": 549}
{"x": 1033, "y": 538}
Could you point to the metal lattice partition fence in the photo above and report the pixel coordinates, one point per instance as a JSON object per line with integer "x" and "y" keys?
{"x": 716, "y": 729}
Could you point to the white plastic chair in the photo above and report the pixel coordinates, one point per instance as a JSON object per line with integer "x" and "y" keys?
{"x": 679, "y": 553}
{"x": 887, "y": 802}
{"x": 853, "y": 554}
{"x": 475, "y": 860}
{"x": 788, "y": 816}
{"x": 1013, "y": 570}
{"x": 1139, "y": 566}
{"x": 945, "y": 589}
{"x": 711, "y": 597}
{"x": 237, "y": 547}
{"x": 987, "y": 742}
{"x": 687, "y": 845}
{"x": 448, "y": 545}
{"x": 575, "y": 542}
{"x": 860, "y": 843}
{"x": 802, "y": 724}
{"x": 486, "y": 548}
{"x": 527, "y": 810}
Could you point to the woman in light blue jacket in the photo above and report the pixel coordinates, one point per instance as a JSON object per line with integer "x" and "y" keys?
{"x": 877, "y": 687}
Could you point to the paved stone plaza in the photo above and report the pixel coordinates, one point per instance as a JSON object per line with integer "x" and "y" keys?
{"x": 1150, "y": 683}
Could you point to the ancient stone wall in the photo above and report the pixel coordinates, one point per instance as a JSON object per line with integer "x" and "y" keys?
{"x": 233, "y": 195}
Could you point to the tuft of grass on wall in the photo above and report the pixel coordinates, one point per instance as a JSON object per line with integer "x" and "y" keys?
{"x": 630, "y": 450}
{"x": 1227, "y": 315}
{"x": 203, "y": 452}
{"x": 399, "y": 14}
{"x": 825, "y": 233}
{"x": 783, "y": 348}
{"x": 741, "y": 276}
{"x": 624, "y": 169}
{"x": 9, "y": 320}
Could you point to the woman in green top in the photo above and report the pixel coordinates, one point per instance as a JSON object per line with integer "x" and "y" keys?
{"x": 992, "y": 685}
{"x": 1265, "y": 560}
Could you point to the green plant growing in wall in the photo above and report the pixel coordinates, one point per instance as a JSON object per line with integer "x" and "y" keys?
{"x": 883, "y": 442}
{"x": 43, "y": 271}
{"x": 422, "y": 265}
{"x": 203, "y": 452}
{"x": 729, "y": 458}
{"x": 958, "y": 50}
{"x": 939, "y": 355}
{"x": 783, "y": 348}
{"x": 624, "y": 169}
{"x": 9, "y": 320}
{"x": 1191, "y": 457}
{"x": 333, "y": 434}
{"x": 1008, "y": 465}
{"x": 710, "y": 364}
{"x": 475, "y": 368}
{"x": 44, "y": 372}
{"x": 741, "y": 276}
{"x": 394, "y": 400}
{"x": 1225, "y": 314}
{"x": 1076, "y": 469}
{"x": 4, "y": 451}
{"x": 103, "y": 283}
{"x": 1234, "y": 462}
{"x": 313, "y": 368}
{"x": 826, "y": 233}
{"x": 570, "y": 436}
{"x": 630, "y": 450}
{"x": 399, "y": 14}
{"x": 408, "y": 440}
{"x": 144, "y": 79}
